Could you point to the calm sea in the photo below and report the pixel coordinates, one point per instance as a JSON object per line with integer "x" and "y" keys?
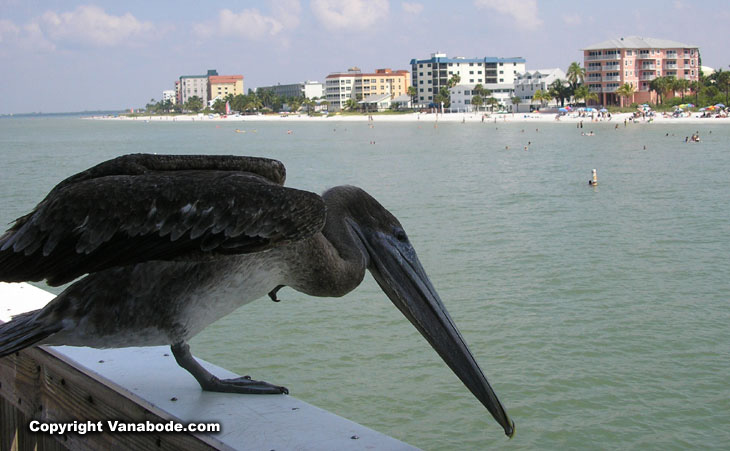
{"x": 600, "y": 314}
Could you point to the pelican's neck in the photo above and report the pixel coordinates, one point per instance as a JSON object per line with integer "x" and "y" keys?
{"x": 331, "y": 263}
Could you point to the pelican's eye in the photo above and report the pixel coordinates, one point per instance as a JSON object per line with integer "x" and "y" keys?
{"x": 400, "y": 235}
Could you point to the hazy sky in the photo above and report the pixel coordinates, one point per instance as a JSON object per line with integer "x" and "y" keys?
{"x": 71, "y": 56}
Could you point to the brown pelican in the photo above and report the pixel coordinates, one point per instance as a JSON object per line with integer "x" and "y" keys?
{"x": 169, "y": 244}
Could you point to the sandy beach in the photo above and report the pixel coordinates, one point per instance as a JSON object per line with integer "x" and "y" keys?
{"x": 430, "y": 118}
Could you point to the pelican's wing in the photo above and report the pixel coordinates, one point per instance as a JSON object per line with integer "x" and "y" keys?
{"x": 99, "y": 219}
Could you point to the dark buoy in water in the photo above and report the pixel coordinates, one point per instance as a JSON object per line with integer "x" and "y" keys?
{"x": 594, "y": 179}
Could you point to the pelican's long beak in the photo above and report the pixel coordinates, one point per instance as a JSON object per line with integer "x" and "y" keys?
{"x": 396, "y": 268}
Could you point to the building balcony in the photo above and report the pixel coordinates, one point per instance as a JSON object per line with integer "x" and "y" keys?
{"x": 648, "y": 67}
{"x": 596, "y": 77}
{"x": 611, "y": 67}
{"x": 612, "y": 78}
{"x": 647, "y": 77}
{"x": 595, "y": 89}
{"x": 593, "y": 69}
{"x": 670, "y": 66}
{"x": 613, "y": 56}
{"x": 610, "y": 88}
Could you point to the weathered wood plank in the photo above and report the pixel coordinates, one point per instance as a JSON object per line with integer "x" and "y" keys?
{"x": 42, "y": 386}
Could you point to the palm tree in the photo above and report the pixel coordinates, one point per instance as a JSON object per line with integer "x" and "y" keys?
{"x": 219, "y": 106}
{"x": 454, "y": 80}
{"x": 559, "y": 91}
{"x": 491, "y": 101}
{"x": 575, "y": 74}
{"x": 443, "y": 97}
{"x": 625, "y": 91}
{"x": 542, "y": 97}
{"x": 581, "y": 93}
{"x": 412, "y": 92}
{"x": 662, "y": 86}
{"x": 309, "y": 104}
{"x": 515, "y": 101}
{"x": 722, "y": 78}
{"x": 681, "y": 85}
{"x": 194, "y": 104}
{"x": 351, "y": 104}
{"x": 477, "y": 101}
{"x": 695, "y": 87}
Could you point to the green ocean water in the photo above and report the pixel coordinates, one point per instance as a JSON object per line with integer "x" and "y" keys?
{"x": 599, "y": 314}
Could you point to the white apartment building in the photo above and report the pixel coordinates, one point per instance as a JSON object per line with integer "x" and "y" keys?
{"x": 430, "y": 75}
{"x": 313, "y": 89}
{"x": 461, "y": 96}
{"x": 527, "y": 83}
{"x": 169, "y": 95}
{"x": 308, "y": 89}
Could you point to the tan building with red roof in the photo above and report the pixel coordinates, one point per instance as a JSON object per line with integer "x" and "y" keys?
{"x": 220, "y": 86}
{"x": 353, "y": 84}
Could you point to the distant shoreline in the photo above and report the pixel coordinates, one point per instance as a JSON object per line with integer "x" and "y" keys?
{"x": 424, "y": 117}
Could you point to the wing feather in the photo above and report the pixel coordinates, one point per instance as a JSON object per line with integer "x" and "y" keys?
{"x": 100, "y": 219}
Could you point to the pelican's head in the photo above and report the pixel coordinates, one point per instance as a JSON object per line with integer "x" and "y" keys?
{"x": 393, "y": 262}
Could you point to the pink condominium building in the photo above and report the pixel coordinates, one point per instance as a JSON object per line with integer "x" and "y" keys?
{"x": 637, "y": 61}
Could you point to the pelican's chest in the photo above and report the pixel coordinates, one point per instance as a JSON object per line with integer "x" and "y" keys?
{"x": 234, "y": 281}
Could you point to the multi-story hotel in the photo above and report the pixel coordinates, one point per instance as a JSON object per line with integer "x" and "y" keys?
{"x": 432, "y": 74}
{"x": 353, "y": 84}
{"x": 195, "y": 85}
{"x": 220, "y": 86}
{"x": 637, "y": 61}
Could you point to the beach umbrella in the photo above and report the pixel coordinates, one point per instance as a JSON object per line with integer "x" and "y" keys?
{"x": 603, "y": 110}
{"x": 590, "y": 109}
{"x": 711, "y": 107}
{"x": 568, "y": 108}
{"x": 719, "y": 105}
{"x": 562, "y": 110}
{"x": 703, "y": 109}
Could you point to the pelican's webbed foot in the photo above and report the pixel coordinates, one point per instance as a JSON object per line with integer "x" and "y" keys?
{"x": 209, "y": 382}
{"x": 247, "y": 385}
{"x": 272, "y": 293}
